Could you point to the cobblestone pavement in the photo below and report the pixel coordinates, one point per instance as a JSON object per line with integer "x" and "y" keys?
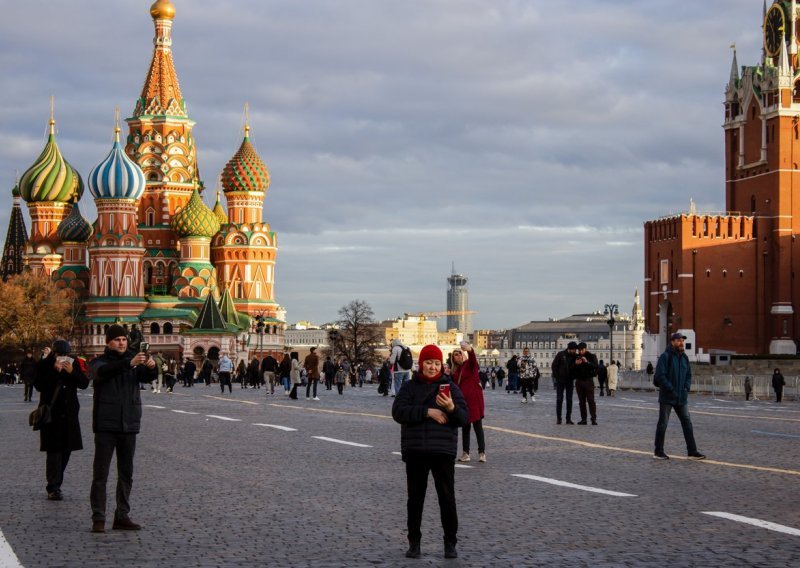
{"x": 244, "y": 479}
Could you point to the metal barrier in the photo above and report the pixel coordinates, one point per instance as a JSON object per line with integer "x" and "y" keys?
{"x": 718, "y": 385}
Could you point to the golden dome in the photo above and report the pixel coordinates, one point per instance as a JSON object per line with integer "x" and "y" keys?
{"x": 162, "y": 10}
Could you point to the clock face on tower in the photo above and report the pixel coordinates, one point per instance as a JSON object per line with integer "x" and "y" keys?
{"x": 774, "y": 27}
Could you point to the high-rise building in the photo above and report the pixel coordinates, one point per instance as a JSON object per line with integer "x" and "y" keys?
{"x": 727, "y": 280}
{"x": 458, "y": 301}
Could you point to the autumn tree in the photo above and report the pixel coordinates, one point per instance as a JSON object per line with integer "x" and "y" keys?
{"x": 33, "y": 312}
{"x": 358, "y": 335}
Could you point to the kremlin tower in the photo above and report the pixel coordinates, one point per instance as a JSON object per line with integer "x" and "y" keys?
{"x": 193, "y": 279}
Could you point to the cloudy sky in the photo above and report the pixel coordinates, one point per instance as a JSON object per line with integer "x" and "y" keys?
{"x": 526, "y": 141}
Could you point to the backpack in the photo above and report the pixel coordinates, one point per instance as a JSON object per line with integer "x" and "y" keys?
{"x": 406, "y": 359}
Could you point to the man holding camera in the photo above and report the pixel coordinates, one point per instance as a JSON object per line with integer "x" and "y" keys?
{"x": 585, "y": 369}
{"x": 116, "y": 419}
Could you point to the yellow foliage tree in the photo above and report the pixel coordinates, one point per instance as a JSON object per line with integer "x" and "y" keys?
{"x": 33, "y": 312}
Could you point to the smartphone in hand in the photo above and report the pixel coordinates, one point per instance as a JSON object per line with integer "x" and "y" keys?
{"x": 444, "y": 389}
{"x": 144, "y": 347}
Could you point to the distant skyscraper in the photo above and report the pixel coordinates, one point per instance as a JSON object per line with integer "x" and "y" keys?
{"x": 458, "y": 300}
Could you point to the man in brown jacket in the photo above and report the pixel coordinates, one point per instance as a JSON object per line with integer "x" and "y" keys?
{"x": 311, "y": 364}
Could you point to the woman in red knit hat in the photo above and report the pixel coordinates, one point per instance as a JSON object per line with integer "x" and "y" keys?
{"x": 430, "y": 410}
{"x": 466, "y": 374}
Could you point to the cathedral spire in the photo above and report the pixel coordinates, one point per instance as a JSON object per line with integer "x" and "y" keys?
{"x": 16, "y": 239}
{"x": 734, "y": 78}
{"x": 161, "y": 93}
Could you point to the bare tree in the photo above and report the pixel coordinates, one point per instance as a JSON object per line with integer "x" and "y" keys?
{"x": 33, "y": 312}
{"x": 358, "y": 335}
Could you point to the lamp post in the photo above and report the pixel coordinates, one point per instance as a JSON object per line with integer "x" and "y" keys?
{"x": 333, "y": 336}
{"x": 611, "y": 310}
{"x": 260, "y": 331}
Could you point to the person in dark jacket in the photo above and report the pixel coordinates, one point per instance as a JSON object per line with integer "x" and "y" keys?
{"x": 602, "y": 377}
{"x": 116, "y": 419}
{"x": 513, "y": 375}
{"x": 777, "y": 384}
{"x": 329, "y": 368}
{"x": 384, "y": 378}
{"x": 584, "y": 370}
{"x": 430, "y": 420}
{"x": 189, "y": 369}
{"x": 561, "y": 367}
{"x": 674, "y": 375}
{"x": 28, "y": 371}
{"x": 62, "y": 435}
{"x": 285, "y": 371}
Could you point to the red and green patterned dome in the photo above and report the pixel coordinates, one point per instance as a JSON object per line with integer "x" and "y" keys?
{"x": 220, "y": 212}
{"x": 245, "y": 171}
{"x": 196, "y": 219}
{"x": 51, "y": 178}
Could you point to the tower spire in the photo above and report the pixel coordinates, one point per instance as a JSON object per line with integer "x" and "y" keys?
{"x": 52, "y": 122}
{"x": 246, "y": 120}
{"x": 734, "y": 78}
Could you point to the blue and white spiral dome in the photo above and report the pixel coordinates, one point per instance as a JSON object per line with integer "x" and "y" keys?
{"x": 116, "y": 177}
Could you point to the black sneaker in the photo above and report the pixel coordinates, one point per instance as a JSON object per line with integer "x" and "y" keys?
{"x": 696, "y": 456}
{"x": 558, "y": 421}
{"x": 582, "y": 423}
{"x": 660, "y": 456}
{"x": 570, "y": 421}
{"x": 55, "y": 496}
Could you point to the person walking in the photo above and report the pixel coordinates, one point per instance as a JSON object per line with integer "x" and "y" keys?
{"x": 585, "y": 368}
{"x": 384, "y": 378}
{"x": 225, "y": 370}
{"x": 465, "y": 375}
{"x": 602, "y": 377}
{"x": 613, "y": 377}
{"x": 329, "y": 369}
{"x": 401, "y": 360}
{"x": 28, "y": 372}
{"x": 269, "y": 368}
{"x": 561, "y": 367}
{"x": 674, "y": 377}
{"x": 116, "y": 420}
{"x": 526, "y": 366}
{"x": 58, "y": 378}
{"x": 513, "y": 375}
{"x": 294, "y": 374}
{"x": 189, "y": 369}
{"x": 253, "y": 375}
{"x": 311, "y": 365}
{"x": 430, "y": 409}
{"x": 777, "y": 384}
{"x": 285, "y": 371}
{"x": 341, "y": 375}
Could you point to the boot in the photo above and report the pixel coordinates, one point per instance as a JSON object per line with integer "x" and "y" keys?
{"x": 450, "y": 550}
{"x": 413, "y": 549}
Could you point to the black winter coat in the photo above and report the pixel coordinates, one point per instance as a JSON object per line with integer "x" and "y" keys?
{"x": 419, "y": 434}
{"x": 27, "y": 370}
{"x": 117, "y": 404}
{"x": 585, "y": 370}
{"x": 64, "y": 432}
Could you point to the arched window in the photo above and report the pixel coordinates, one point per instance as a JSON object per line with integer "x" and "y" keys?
{"x": 155, "y": 329}
{"x": 167, "y": 328}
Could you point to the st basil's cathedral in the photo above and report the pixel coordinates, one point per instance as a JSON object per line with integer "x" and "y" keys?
{"x": 192, "y": 279}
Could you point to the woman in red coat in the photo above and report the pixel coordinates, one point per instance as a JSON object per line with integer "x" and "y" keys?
{"x": 465, "y": 375}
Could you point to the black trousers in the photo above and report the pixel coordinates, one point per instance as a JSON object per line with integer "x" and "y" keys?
{"x": 315, "y": 382}
{"x": 54, "y": 469}
{"x": 561, "y": 386}
{"x": 526, "y": 386}
{"x": 225, "y": 379}
{"x": 443, "y": 470}
{"x": 778, "y": 394}
{"x": 28, "y": 391}
{"x": 478, "y": 435}
{"x": 340, "y": 387}
{"x": 105, "y": 444}
{"x": 682, "y": 410}
{"x": 585, "y": 390}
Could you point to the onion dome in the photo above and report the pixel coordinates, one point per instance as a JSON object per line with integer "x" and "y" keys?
{"x": 196, "y": 219}
{"x": 15, "y": 192}
{"x": 51, "y": 178}
{"x": 245, "y": 171}
{"x": 74, "y": 228}
{"x": 162, "y": 10}
{"x": 220, "y": 212}
{"x": 117, "y": 176}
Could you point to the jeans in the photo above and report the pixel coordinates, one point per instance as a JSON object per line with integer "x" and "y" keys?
{"x": 561, "y": 386}
{"x": 443, "y": 469}
{"x": 399, "y": 377}
{"x": 585, "y": 390}
{"x": 513, "y": 382}
{"x": 105, "y": 443}
{"x": 314, "y": 382}
{"x": 682, "y": 410}
{"x": 478, "y": 425}
{"x": 286, "y": 385}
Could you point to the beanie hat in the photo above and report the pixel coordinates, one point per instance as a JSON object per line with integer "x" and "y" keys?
{"x": 115, "y": 331}
{"x": 62, "y": 347}
{"x": 430, "y": 352}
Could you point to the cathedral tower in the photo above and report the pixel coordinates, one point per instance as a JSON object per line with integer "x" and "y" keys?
{"x": 16, "y": 239}
{"x": 161, "y": 142}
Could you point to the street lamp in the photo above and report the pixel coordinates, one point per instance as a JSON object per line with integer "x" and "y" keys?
{"x": 260, "y": 331}
{"x": 611, "y": 310}
{"x": 333, "y": 335}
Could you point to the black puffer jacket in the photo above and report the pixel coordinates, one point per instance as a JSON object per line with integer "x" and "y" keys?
{"x": 64, "y": 432}
{"x": 117, "y": 404}
{"x": 420, "y": 434}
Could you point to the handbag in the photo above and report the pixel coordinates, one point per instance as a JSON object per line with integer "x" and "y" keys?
{"x": 41, "y": 415}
